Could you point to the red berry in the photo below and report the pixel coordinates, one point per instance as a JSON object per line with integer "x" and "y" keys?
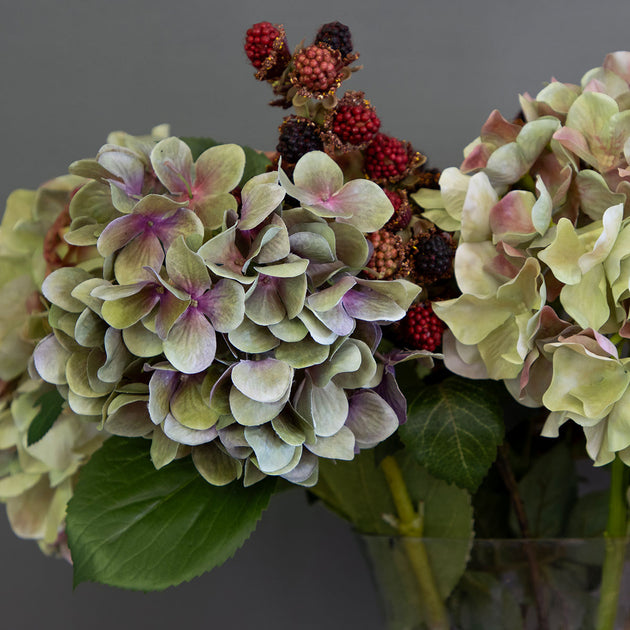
{"x": 317, "y": 70}
{"x": 259, "y": 42}
{"x": 421, "y": 329}
{"x": 388, "y": 158}
{"x": 355, "y": 121}
{"x": 402, "y": 210}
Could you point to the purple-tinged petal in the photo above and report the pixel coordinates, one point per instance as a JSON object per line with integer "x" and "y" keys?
{"x": 173, "y": 164}
{"x": 123, "y": 164}
{"x": 390, "y": 392}
{"x": 370, "y": 418}
{"x": 171, "y": 309}
{"x": 120, "y": 232}
{"x": 143, "y": 251}
{"x": 337, "y": 320}
{"x": 224, "y": 305}
{"x": 183, "y": 223}
{"x": 191, "y": 343}
{"x": 126, "y": 311}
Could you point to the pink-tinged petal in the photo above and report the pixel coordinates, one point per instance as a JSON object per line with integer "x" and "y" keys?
{"x": 186, "y": 269}
{"x": 363, "y": 204}
{"x": 305, "y": 197}
{"x": 575, "y": 142}
{"x": 119, "y": 232}
{"x": 218, "y": 170}
{"x": 498, "y": 131}
{"x": 318, "y": 174}
{"x": 513, "y": 215}
{"x": 370, "y": 418}
{"x": 143, "y": 251}
{"x": 183, "y": 223}
{"x": 476, "y": 159}
{"x": 173, "y": 164}
{"x": 191, "y": 343}
{"x": 619, "y": 63}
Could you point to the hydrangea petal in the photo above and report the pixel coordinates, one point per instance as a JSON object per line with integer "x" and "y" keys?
{"x": 370, "y": 419}
{"x": 173, "y": 164}
{"x": 266, "y": 380}
{"x": 191, "y": 343}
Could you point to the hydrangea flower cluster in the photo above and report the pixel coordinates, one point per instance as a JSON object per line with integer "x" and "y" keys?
{"x": 543, "y": 262}
{"x": 223, "y": 319}
{"x": 36, "y": 476}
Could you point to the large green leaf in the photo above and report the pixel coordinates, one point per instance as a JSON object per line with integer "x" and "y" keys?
{"x": 357, "y": 490}
{"x": 255, "y": 162}
{"x": 135, "y": 527}
{"x": 51, "y": 404}
{"x": 454, "y": 429}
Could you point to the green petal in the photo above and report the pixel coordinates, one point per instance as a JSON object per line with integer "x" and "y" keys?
{"x": 265, "y": 381}
{"x": 214, "y": 465}
{"x": 58, "y": 286}
{"x": 252, "y": 413}
{"x": 272, "y": 453}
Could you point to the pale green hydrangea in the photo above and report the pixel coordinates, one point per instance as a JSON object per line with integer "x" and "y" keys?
{"x": 542, "y": 207}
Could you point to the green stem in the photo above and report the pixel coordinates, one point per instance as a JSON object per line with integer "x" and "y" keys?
{"x": 616, "y": 532}
{"x": 410, "y": 525}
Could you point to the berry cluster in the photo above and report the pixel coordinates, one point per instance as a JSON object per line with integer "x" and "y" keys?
{"x": 349, "y": 130}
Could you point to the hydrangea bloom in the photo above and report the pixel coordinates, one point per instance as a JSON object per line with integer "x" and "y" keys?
{"x": 542, "y": 206}
{"x": 36, "y": 478}
{"x": 232, "y": 328}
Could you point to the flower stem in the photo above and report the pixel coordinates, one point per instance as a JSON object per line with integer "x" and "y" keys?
{"x": 410, "y": 526}
{"x": 616, "y": 532}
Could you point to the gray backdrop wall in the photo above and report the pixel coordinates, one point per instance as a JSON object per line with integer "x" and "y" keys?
{"x": 73, "y": 70}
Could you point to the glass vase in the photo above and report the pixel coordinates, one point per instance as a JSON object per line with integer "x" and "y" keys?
{"x": 538, "y": 584}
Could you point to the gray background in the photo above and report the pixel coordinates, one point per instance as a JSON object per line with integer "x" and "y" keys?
{"x": 71, "y": 71}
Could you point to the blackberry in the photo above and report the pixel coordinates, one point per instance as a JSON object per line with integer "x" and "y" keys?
{"x": 433, "y": 259}
{"x": 297, "y": 137}
{"x": 337, "y": 36}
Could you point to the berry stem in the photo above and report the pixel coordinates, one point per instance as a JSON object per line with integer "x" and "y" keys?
{"x": 410, "y": 526}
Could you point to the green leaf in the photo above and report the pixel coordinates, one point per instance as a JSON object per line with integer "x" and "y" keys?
{"x": 454, "y": 429}
{"x": 51, "y": 404}
{"x": 589, "y": 516}
{"x": 255, "y": 162}
{"x": 135, "y": 527}
{"x": 548, "y": 491}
